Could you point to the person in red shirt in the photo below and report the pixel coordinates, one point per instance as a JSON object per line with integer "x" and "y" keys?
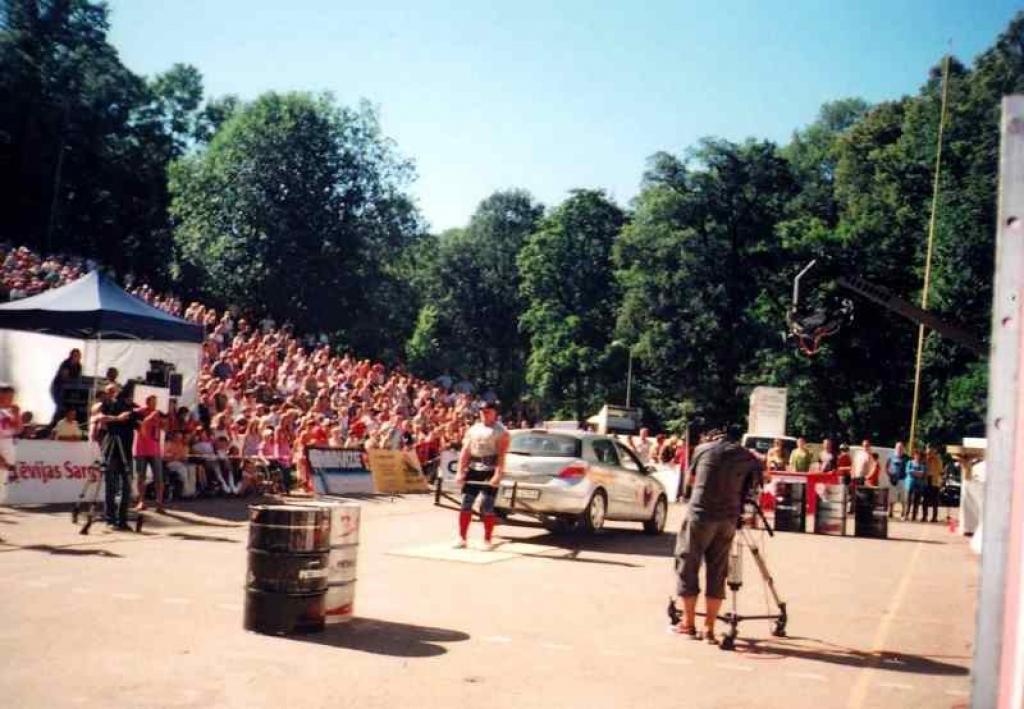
{"x": 844, "y": 463}
{"x": 146, "y": 451}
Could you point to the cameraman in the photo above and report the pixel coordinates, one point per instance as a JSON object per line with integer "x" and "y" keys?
{"x": 115, "y": 428}
{"x": 721, "y": 472}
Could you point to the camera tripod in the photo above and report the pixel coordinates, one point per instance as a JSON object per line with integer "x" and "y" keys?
{"x": 111, "y": 446}
{"x": 744, "y": 540}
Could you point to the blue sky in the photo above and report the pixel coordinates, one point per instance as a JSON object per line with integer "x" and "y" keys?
{"x": 550, "y": 96}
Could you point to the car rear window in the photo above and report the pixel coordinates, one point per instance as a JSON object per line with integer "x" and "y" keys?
{"x": 547, "y": 444}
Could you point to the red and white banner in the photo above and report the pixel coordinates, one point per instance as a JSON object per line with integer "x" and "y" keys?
{"x": 49, "y": 471}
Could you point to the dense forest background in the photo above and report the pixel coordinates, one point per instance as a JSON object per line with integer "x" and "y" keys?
{"x": 296, "y": 205}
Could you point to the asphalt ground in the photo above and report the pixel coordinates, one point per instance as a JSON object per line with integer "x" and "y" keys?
{"x": 118, "y": 619}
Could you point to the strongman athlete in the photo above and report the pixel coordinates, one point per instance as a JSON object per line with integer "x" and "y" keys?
{"x": 481, "y": 466}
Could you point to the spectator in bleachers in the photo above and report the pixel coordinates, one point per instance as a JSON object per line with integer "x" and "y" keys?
{"x": 67, "y": 428}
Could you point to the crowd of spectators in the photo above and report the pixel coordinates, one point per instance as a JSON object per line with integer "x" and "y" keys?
{"x": 264, "y": 393}
{"x": 24, "y": 273}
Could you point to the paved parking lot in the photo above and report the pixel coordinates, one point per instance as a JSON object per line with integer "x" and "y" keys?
{"x": 155, "y": 620}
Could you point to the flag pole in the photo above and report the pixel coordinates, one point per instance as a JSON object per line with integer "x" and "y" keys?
{"x": 928, "y": 255}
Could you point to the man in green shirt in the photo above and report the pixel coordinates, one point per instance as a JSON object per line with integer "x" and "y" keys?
{"x": 800, "y": 458}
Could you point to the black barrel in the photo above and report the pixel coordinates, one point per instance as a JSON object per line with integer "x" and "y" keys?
{"x": 289, "y": 528}
{"x": 286, "y": 581}
{"x": 790, "y": 507}
{"x": 287, "y": 573}
{"x": 283, "y": 613}
{"x": 830, "y": 511}
{"x": 871, "y": 513}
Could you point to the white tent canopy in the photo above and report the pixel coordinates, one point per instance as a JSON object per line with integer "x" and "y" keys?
{"x": 29, "y": 360}
{"x": 112, "y": 329}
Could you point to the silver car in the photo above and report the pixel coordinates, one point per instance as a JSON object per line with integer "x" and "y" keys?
{"x": 569, "y": 478}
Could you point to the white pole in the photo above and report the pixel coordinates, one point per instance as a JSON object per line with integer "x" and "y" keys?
{"x": 998, "y": 668}
{"x": 629, "y": 377}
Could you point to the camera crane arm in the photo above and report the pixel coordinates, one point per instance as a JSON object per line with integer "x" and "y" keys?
{"x": 919, "y": 316}
{"x": 810, "y": 327}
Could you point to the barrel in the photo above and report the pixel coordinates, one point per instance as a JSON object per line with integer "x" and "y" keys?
{"x": 830, "y": 511}
{"x": 287, "y": 573}
{"x": 790, "y": 507}
{"x": 289, "y": 528}
{"x": 283, "y": 613}
{"x": 342, "y": 559}
{"x": 286, "y": 580}
{"x": 871, "y": 513}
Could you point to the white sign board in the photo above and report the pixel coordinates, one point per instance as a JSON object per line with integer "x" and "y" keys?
{"x": 448, "y": 468}
{"x": 50, "y": 471}
{"x": 767, "y": 414}
{"x": 339, "y": 471}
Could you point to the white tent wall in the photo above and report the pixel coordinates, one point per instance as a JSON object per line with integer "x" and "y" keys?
{"x": 29, "y": 361}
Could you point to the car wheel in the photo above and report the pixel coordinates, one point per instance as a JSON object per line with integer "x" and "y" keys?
{"x": 656, "y": 524}
{"x": 597, "y": 509}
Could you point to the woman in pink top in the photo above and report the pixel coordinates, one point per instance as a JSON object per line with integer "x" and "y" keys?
{"x": 146, "y": 450}
{"x": 284, "y": 455}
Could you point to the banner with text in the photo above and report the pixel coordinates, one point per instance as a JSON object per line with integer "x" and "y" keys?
{"x": 448, "y": 469}
{"x": 396, "y": 472}
{"x": 339, "y": 471}
{"x": 50, "y": 471}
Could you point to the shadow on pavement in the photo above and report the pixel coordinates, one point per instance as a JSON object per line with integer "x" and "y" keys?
{"x": 609, "y": 541}
{"x": 201, "y": 538}
{"x": 234, "y": 511}
{"x": 68, "y": 551}
{"x": 820, "y": 651}
{"x": 382, "y": 637}
{"x": 862, "y": 540}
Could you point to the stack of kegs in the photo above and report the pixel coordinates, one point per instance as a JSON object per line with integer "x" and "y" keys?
{"x": 871, "y": 513}
{"x": 286, "y": 582}
{"x": 790, "y": 507}
{"x": 342, "y": 558}
{"x": 830, "y": 511}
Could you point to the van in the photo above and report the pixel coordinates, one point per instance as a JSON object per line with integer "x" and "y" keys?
{"x": 761, "y": 444}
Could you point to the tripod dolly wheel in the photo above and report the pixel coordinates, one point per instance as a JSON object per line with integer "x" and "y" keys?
{"x": 779, "y": 629}
{"x": 728, "y": 643}
{"x": 674, "y": 614}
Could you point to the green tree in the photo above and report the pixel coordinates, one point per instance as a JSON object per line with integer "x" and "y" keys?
{"x": 84, "y": 142}
{"x": 692, "y": 264}
{"x": 296, "y": 207}
{"x": 570, "y": 296}
{"x": 470, "y": 325}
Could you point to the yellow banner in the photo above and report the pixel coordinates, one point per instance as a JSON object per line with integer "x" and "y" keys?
{"x": 396, "y": 472}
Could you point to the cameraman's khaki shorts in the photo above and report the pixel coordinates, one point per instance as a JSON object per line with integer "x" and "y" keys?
{"x": 709, "y": 542}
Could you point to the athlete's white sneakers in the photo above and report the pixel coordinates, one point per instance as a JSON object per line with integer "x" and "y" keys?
{"x": 459, "y": 543}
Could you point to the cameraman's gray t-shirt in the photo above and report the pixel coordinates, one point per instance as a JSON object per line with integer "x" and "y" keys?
{"x": 723, "y": 471}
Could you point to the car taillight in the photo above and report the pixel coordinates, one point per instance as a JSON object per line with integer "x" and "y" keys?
{"x": 573, "y": 472}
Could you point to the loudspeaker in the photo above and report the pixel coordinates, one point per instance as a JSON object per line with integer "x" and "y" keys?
{"x": 175, "y": 384}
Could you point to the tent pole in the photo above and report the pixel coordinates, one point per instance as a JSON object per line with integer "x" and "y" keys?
{"x": 92, "y": 388}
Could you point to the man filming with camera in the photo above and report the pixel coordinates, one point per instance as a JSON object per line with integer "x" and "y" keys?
{"x": 115, "y": 425}
{"x": 721, "y": 473}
